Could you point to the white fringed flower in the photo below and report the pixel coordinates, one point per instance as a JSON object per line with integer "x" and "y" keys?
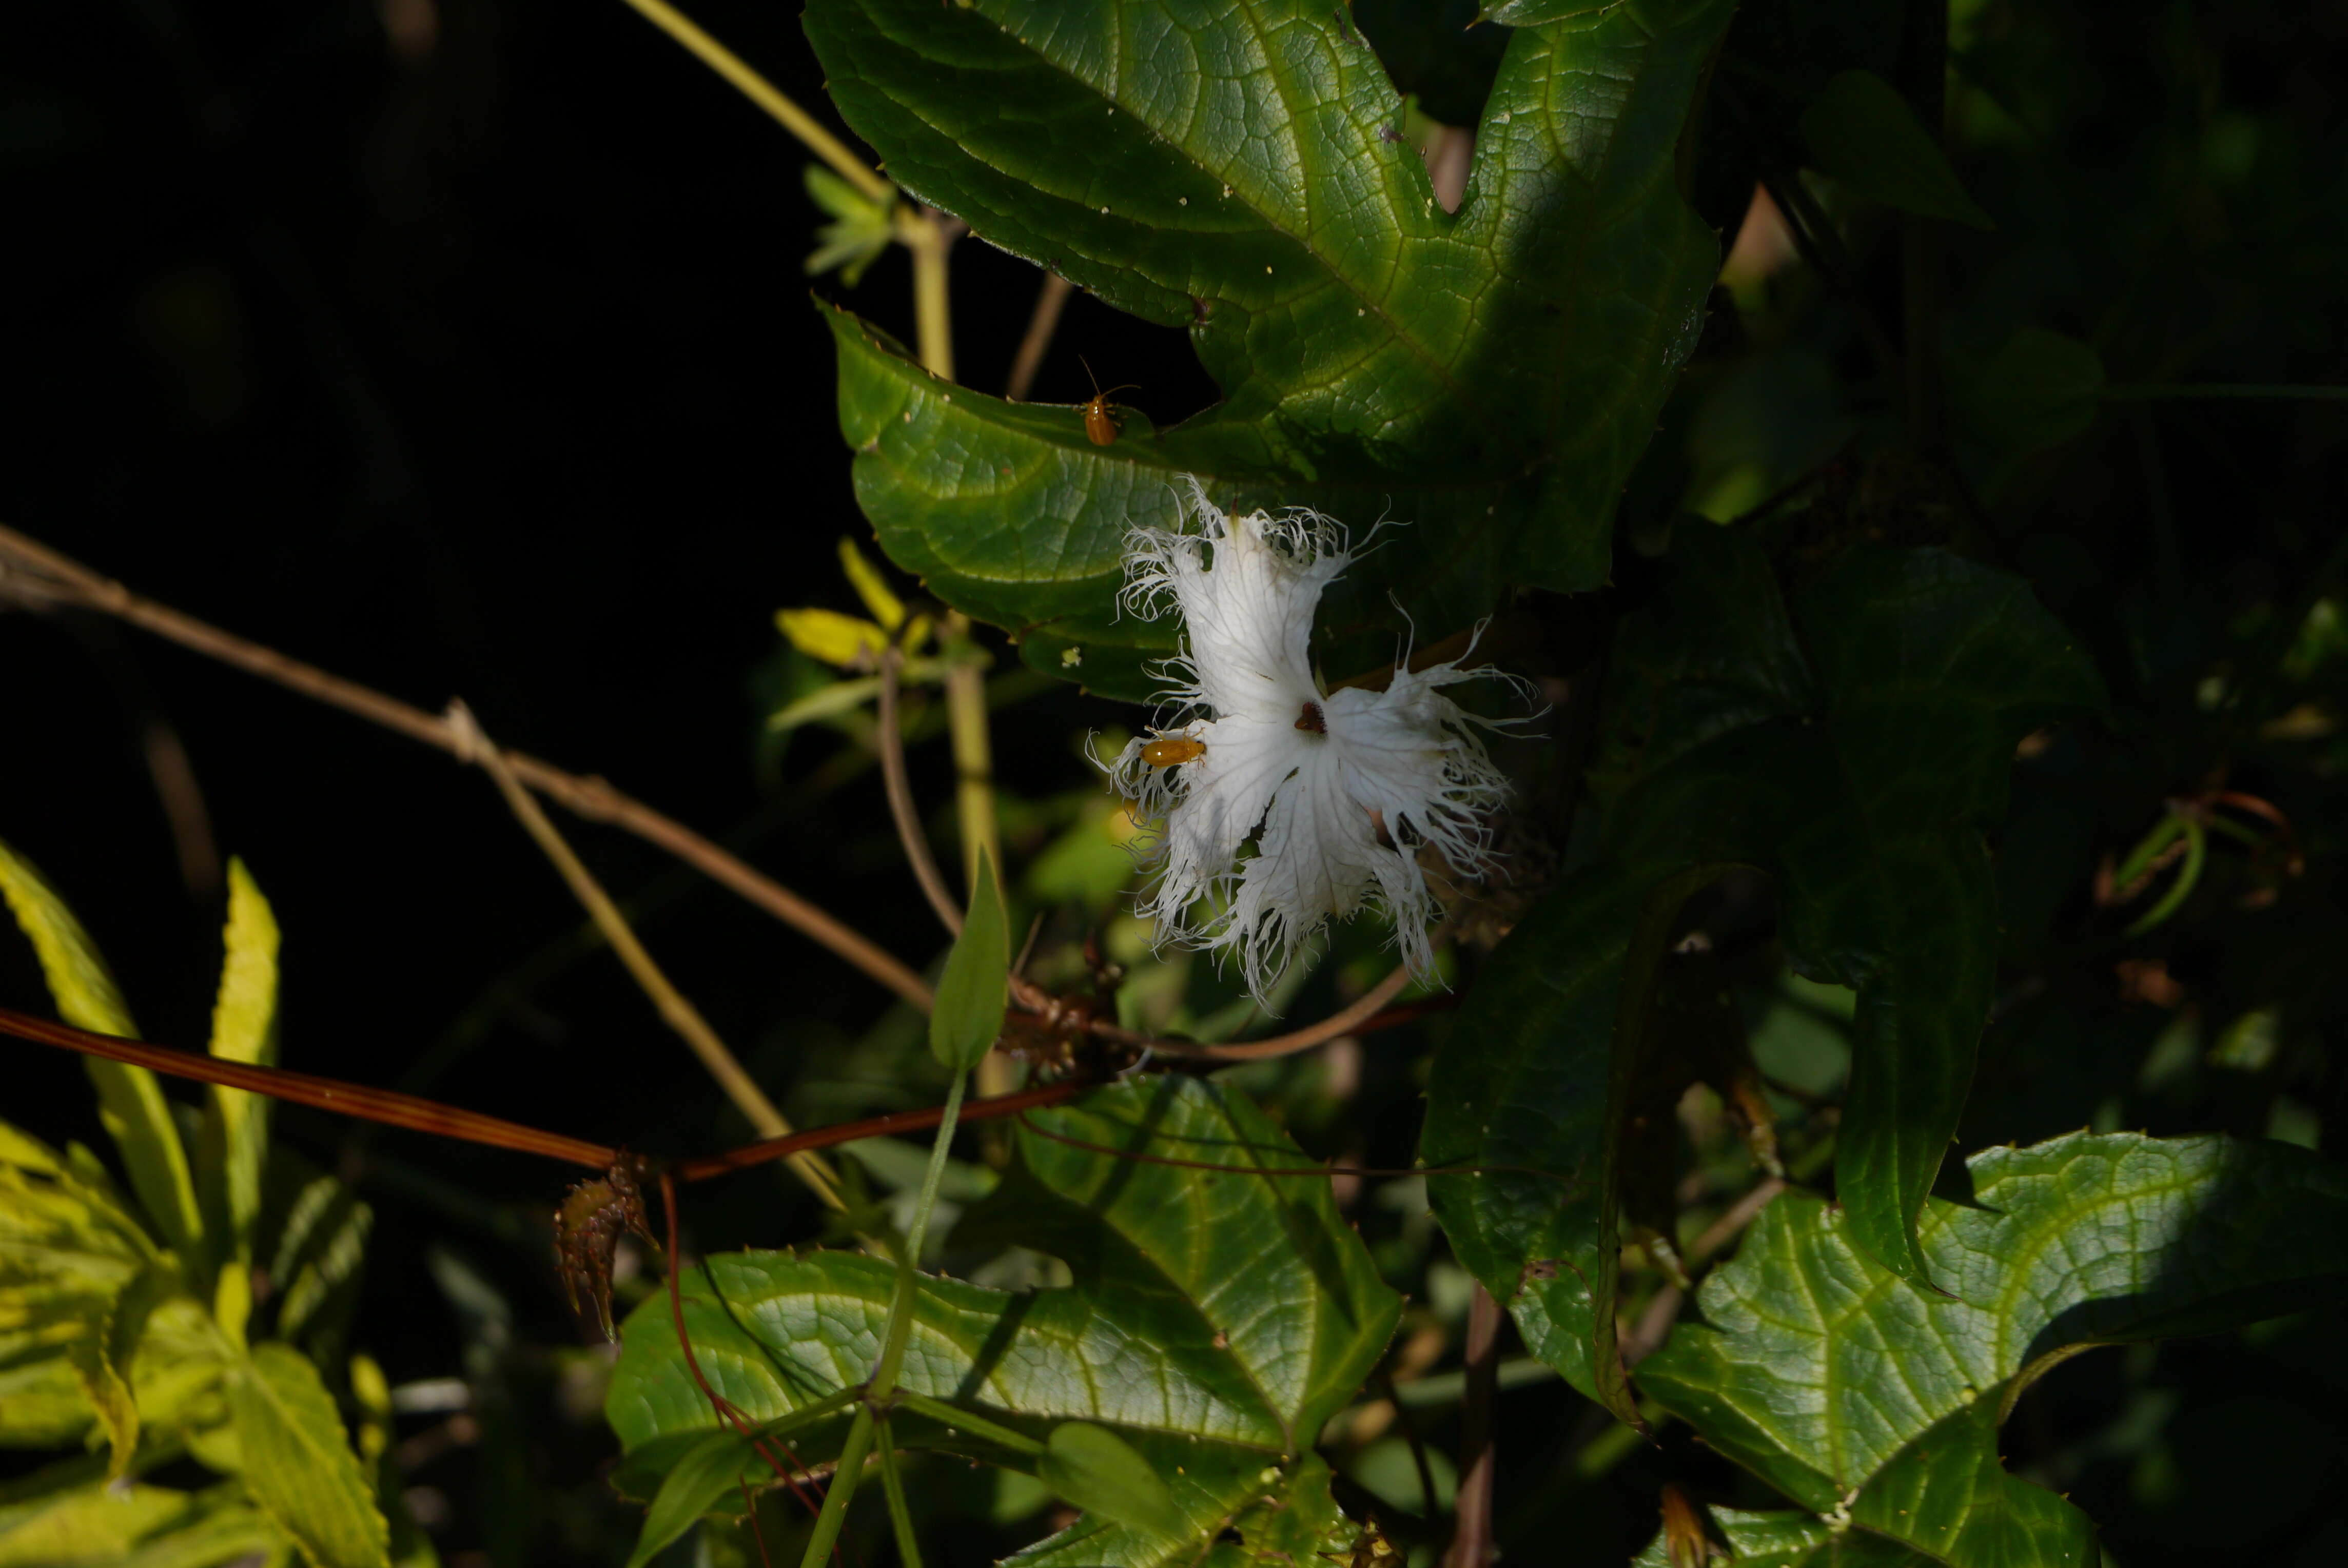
{"x": 1336, "y": 790}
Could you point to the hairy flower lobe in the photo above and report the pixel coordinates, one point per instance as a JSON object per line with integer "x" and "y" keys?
{"x": 1335, "y": 791}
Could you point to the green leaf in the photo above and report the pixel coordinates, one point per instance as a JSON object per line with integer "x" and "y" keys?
{"x": 130, "y": 1102}
{"x": 1099, "y": 1471}
{"x": 1850, "y": 1389}
{"x": 104, "y": 1383}
{"x": 179, "y": 1357}
{"x": 1859, "y": 778}
{"x": 1783, "y": 1538}
{"x": 860, "y": 231}
{"x": 43, "y": 1404}
{"x": 713, "y": 1472}
{"x": 1489, "y": 376}
{"x": 1536, "y": 13}
{"x": 2040, "y": 390}
{"x": 296, "y": 1462}
{"x": 710, "y": 1473}
{"x": 1862, "y": 132}
{"x": 233, "y": 1148}
{"x": 1948, "y": 1493}
{"x": 319, "y": 1249}
{"x": 975, "y": 986}
{"x": 1237, "y": 1311}
{"x": 69, "y": 1255}
{"x": 65, "y": 1516}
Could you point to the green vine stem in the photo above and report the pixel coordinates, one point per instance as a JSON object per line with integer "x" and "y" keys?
{"x": 919, "y": 231}
{"x": 892, "y": 1484}
{"x": 834, "y": 1512}
{"x": 883, "y": 1383}
{"x": 901, "y": 1307}
{"x": 766, "y": 95}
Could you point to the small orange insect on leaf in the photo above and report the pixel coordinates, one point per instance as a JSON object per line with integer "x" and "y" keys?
{"x": 1102, "y": 421}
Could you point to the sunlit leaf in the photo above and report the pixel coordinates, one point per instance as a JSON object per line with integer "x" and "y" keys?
{"x": 835, "y": 639}
{"x": 1215, "y": 1323}
{"x": 234, "y": 1146}
{"x": 296, "y": 1462}
{"x": 1850, "y": 1389}
{"x": 1534, "y": 13}
{"x": 881, "y": 601}
{"x": 66, "y": 1517}
{"x": 68, "y": 1255}
{"x": 130, "y": 1102}
{"x": 1487, "y": 376}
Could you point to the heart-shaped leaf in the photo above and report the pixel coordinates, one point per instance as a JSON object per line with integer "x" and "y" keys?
{"x": 2082, "y": 1241}
{"x": 1853, "y": 748}
{"x": 1217, "y": 1319}
{"x": 1487, "y": 376}
{"x": 1861, "y": 131}
{"x": 2039, "y": 390}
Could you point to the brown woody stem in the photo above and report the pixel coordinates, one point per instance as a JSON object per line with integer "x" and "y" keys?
{"x": 392, "y": 1109}
{"x": 60, "y": 576}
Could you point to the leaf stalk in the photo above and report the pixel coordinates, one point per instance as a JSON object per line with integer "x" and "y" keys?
{"x": 766, "y": 95}
{"x": 842, "y": 1489}
{"x": 900, "y": 1305}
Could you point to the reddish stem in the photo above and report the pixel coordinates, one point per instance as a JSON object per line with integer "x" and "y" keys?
{"x": 386, "y": 1106}
{"x": 727, "y": 1411}
{"x": 928, "y": 1116}
{"x": 393, "y": 1109}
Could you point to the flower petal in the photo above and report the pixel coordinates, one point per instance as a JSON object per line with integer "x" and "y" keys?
{"x": 1338, "y": 792}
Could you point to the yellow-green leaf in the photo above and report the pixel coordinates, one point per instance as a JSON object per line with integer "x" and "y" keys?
{"x": 861, "y": 231}
{"x": 870, "y": 587}
{"x": 829, "y": 635}
{"x": 235, "y": 1143}
{"x": 130, "y": 1102}
{"x": 42, "y": 1403}
{"x": 104, "y": 1385}
{"x": 68, "y": 1255}
{"x": 173, "y": 1352}
{"x": 878, "y": 597}
{"x": 297, "y": 1463}
{"x": 78, "y": 1520}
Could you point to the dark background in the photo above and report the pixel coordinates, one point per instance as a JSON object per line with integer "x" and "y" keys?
{"x": 478, "y": 365}
{"x": 463, "y": 347}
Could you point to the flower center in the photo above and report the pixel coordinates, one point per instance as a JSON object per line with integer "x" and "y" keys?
{"x": 1310, "y": 720}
